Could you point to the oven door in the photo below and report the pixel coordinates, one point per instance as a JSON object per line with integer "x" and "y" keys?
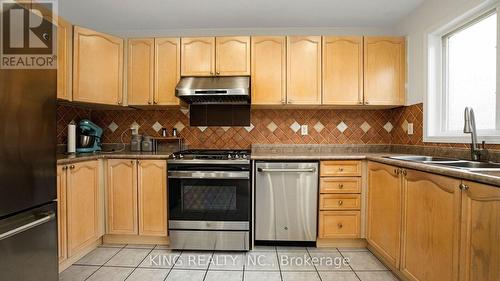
{"x": 209, "y": 195}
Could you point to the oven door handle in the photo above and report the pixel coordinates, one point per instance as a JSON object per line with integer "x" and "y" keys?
{"x": 306, "y": 170}
{"x": 208, "y": 175}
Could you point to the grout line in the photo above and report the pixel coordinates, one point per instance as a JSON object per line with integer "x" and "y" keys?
{"x": 120, "y": 249}
{"x": 206, "y": 272}
{"x": 352, "y": 269}
{"x": 279, "y": 265}
{"x": 317, "y": 272}
{"x": 172, "y": 268}
{"x": 151, "y": 250}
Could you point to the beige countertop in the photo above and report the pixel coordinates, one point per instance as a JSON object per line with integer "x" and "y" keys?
{"x": 492, "y": 178}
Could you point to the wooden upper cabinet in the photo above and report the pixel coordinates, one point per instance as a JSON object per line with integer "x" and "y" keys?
{"x": 152, "y": 190}
{"x": 97, "y": 67}
{"x": 431, "y": 223}
{"x": 198, "y": 56}
{"x": 385, "y": 70}
{"x": 268, "y": 70}
{"x": 384, "y": 211}
{"x": 304, "y": 70}
{"x": 232, "y": 56}
{"x": 342, "y": 70}
{"x": 83, "y": 212}
{"x": 121, "y": 193}
{"x": 61, "y": 213}
{"x": 140, "y": 66}
{"x": 167, "y": 70}
{"x": 480, "y": 233}
{"x": 64, "y": 59}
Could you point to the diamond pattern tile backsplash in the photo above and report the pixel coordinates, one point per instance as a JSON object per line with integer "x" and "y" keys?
{"x": 268, "y": 126}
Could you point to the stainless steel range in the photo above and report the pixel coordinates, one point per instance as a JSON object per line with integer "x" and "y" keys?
{"x": 209, "y": 195}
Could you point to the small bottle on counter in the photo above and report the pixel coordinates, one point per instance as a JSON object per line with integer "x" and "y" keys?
{"x": 174, "y": 132}
{"x": 135, "y": 143}
{"x": 147, "y": 144}
{"x": 164, "y": 132}
{"x": 72, "y": 137}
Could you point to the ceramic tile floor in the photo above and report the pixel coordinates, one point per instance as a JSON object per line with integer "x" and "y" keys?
{"x": 155, "y": 263}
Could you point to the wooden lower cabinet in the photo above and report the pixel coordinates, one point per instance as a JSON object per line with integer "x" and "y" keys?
{"x": 61, "y": 213}
{"x": 480, "y": 233}
{"x": 384, "y": 211}
{"x": 339, "y": 224}
{"x": 431, "y": 223}
{"x": 152, "y": 190}
{"x": 121, "y": 200}
{"x": 82, "y": 205}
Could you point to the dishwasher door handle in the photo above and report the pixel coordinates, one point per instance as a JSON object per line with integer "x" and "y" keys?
{"x": 304, "y": 170}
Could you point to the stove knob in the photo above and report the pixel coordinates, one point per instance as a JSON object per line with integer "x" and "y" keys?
{"x": 181, "y": 156}
{"x": 229, "y": 156}
{"x": 173, "y": 156}
{"x": 244, "y": 156}
{"x": 236, "y": 156}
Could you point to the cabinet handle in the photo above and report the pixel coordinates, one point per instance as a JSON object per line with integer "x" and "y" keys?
{"x": 132, "y": 162}
{"x": 341, "y": 185}
{"x": 367, "y": 102}
{"x": 155, "y": 102}
{"x": 211, "y": 73}
{"x": 404, "y": 172}
{"x": 149, "y": 102}
{"x": 72, "y": 167}
{"x": 218, "y": 73}
{"x": 463, "y": 187}
{"x": 341, "y": 169}
{"x": 341, "y": 202}
{"x": 290, "y": 101}
{"x": 360, "y": 102}
{"x": 65, "y": 168}
{"x": 119, "y": 102}
{"x": 339, "y": 225}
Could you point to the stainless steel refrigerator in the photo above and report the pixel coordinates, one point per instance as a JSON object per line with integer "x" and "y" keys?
{"x": 28, "y": 224}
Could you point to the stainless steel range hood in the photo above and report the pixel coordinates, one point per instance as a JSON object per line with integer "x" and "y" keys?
{"x": 214, "y": 90}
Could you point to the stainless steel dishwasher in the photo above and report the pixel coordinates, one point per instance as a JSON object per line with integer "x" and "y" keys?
{"x": 286, "y": 200}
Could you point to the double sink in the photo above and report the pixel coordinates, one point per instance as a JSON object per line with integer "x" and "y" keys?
{"x": 472, "y": 166}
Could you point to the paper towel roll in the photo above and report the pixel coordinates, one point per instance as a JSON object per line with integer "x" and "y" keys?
{"x": 72, "y": 137}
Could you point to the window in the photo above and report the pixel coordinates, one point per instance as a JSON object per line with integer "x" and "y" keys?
{"x": 465, "y": 74}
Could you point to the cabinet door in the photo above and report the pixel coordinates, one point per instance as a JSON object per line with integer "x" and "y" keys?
{"x": 480, "y": 252}
{"x": 431, "y": 221}
{"x": 64, "y": 59}
{"x": 198, "y": 56}
{"x": 140, "y": 65}
{"x": 304, "y": 70}
{"x": 385, "y": 70}
{"x": 268, "y": 70}
{"x": 342, "y": 70}
{"x": 61, "y": 212}
{"x": 384, "y": 211}
{"x": 97, "y": 67}
{"x": 232, "y": 56}
{"x": 82, "y": 205}
{"x": 167, "y": 70}
{"x": 152, "y": 178}
{"x": 122, "y": 196}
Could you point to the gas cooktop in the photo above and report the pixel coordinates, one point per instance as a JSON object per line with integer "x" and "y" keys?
{"x": 211, "y": 154}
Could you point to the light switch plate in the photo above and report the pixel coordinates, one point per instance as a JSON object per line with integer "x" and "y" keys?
{"x": 304, "y": 130}
{"x": 410, "y": 128}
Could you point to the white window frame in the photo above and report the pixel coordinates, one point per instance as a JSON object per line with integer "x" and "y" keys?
{"x": 435, "y": 99}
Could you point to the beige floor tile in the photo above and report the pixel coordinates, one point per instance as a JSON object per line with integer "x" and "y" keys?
{"x": 264, "y": 248}
{"x": 98, "y": 256}
{"x": 363, "y": 261}
{"x": 376, "y": 276}
{"x": 295, "y": 261}
{"x": 262, "y": 275}
{"x": 300, "y": 276}
{"x": 193, "y": 260}
{"x": 77, "y": 273}
{"x": 214, "y": 275}
{"x": 128, "y": 257}
{"x": 185, "y": 275}
{"x": 111, "y": 274}
{"x": 338, "y": 276}
{"x": 261, "y": 261}
{"x": 329, "y": 261}
{"x": 160, "y": 259}
{"x": 227, "y": 261}
{"x": 148, "y": 274}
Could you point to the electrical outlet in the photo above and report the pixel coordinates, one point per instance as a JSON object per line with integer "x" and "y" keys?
{"x": 410, "y": 128}
{"x": 303, "y": 130}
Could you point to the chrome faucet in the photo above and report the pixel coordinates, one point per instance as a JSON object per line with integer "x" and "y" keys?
{"x": 470, "y": 128}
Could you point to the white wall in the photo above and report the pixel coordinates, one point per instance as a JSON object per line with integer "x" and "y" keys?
{"x": 429, "y": 16}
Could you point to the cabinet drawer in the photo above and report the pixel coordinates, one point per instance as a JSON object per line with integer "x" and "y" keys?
{"x": 340, "y": 185}
{"x": 339, "y": 224}
{"x": 340, "y": 168}
{"x": 339, "y": 201}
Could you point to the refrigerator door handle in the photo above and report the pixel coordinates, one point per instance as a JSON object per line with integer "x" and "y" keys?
{"x": 27, "y": 226}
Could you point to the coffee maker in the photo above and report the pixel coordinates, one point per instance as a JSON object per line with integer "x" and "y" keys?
{"x": 89, "y": 137}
